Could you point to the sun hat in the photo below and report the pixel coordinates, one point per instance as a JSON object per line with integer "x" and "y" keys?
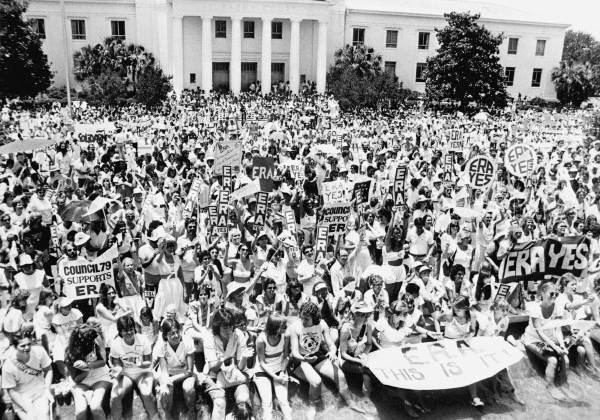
{"x": 235, "y": 287}
{"x": 81, "y": 238}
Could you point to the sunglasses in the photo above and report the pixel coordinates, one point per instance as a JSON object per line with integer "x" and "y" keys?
{"x": 553, "y": 294}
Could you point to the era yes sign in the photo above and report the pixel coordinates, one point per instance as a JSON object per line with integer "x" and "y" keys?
{"x": 481, "y": 170}
{"x": 520, "y": 160}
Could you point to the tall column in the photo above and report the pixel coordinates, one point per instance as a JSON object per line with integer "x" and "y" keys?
{"x": 235, "y": 66}
{"x": 295, "y": 56}
{"x": 266, "y": 55}
{"x": 177, "y": 69}
{"x": 322, "y": 57}
{"x": 207, "y": 83}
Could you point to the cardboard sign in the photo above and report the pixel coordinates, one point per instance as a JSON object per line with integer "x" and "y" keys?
{"x": 321, "y": 242}
{"x": 290, "y": 220}
{"x": 263, "y": 169}
{"x": 82, "y": 279}
{"x": 192, "y": 199}
{"x": 335, "y": 217}
{"x": 519, "y": 160}
{"x": 444, "y": 364}
{"x": 227, "y": 182}
{"x": 535, "y": 260}
{"x": 262, "y": 200}
{"x": 481, "y": 170}
{"x": 227, "y": 153}
{"x": 400, "y": 185}
{"x": 295, "y": 167}
{"x": 361, "y": 191}
{"x": 448, "y": 174}
{"x": 334, "y": 191}
{"x": 223, "y": 212}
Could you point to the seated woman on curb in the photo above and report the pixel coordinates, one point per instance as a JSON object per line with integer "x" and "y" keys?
{"x": 315, "y": 355}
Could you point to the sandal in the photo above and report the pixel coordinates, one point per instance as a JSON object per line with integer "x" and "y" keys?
{"x": 477, "y": 403}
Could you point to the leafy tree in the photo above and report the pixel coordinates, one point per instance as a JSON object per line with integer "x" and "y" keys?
{"x": 580, "y": 47}
{"x": 152, "y": 86}
{"x": 357, "y": 80}
{"x": 24, "y": 69}
{"x": 467, "y": 66}
{"x": 573, "y": 82}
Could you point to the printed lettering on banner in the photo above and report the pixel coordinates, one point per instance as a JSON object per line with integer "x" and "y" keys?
{"x": 227, "y": 178}
{"x": 263, "y": 169}
{"x": 290, "y": 220}
{"x": 82, "y": 279}
{"x": 335, "y": 217}
{"x": 334, "y": 191}
{"x": 481, "y": 170}
{"x": 445, "y": 364}
{"x": 545, "y": 258}
{"x": 223, "y": 212}
{"x": 448, "y": 175}
{"x": 295, "y": 167}
{"x": 321, "y": 242}
{"x": 400, "y": 184}
{"x": 502, "y": 293}
{"x": 361, "y": 191}
{"x": 227, "y": 153}
{"x": 520, "y": 160}
{"x": 262, "y": 200}
{"x": 192, "y": 198}
{"x": 213, "y": 217}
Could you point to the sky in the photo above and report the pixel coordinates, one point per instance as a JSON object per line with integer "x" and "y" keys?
{"x": 584, "y": 15}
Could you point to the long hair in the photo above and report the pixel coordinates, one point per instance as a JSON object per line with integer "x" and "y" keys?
{"x": 274, "y": 323}
{"x": 104, "y": 289}
{"x": 222, "y": 318}
{"x": 81, "y": 343}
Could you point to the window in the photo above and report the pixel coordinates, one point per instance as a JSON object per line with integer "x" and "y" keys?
{"x": 540, "y": 47}
{"x": 249, "y": 67}
{"x": 390, "y": 68}
{"x": 220, "y": 29}
{"x": 513, "y": 44}
{"x": 38, "y": 27}
{"x": 192, "y": 78}
{"x": 78, "y": 29}
{"x": 391, "y": 39}
{"x": 248, "y": 29}
{"x": 303, "y": 78}
{"x": 423, "y": 40}
{"x": 277, "y": 67}
{"x": 420, "y": 77}
{"x": 358, "y": 36}
{"x": 276, "y": 30}
{"x": 536, "y": 78}
{"x": 509, "y": 76}
{"x": 117, "y": 29}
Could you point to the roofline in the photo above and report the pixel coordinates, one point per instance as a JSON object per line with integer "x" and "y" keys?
{"x": 430, "y": 15}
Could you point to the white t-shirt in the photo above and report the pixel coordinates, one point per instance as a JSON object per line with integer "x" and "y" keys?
{"x": 176, "y": 359}
{"x": 419, "y": 244}
{"x": 309, "y": 339}
{"x": 67, "y": 323}
{"x": 131, "y": 356}
{"x": 29, "y": 384}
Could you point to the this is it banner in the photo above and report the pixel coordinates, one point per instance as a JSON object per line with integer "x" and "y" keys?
{"x": 444, "y": 364}
{"x": 540, "y": 259}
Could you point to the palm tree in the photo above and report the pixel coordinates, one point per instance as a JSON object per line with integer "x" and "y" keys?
{"x": 573, "y": 82}
{"x": 364, "y": 60}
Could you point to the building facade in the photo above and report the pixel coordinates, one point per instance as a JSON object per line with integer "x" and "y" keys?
{"x": 233, "y": 43}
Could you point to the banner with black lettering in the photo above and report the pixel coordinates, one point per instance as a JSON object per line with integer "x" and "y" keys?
{"x": 223, "y": 212}
{"x": 335, "y": 217}
{"x": 448, "y": 174}
{"x": 82, "y": 279}
{"x": 321, "y": 242}
{"x": 520, "y": 160}
{"x": 541, "y": 259}
{"x": 333, "y": 192}
{"x": 227, "y": 182}
{"x": 263, "y": 170}
{"x": 361, "y": 191}
{"x": 400, "y": 184}
{"x": 290, "y": 220}
{"x": 213, "y": 217}
{"x": 262, "y": 199}
{"x": 192, "y": 198}
{"x": 481, "y": 170}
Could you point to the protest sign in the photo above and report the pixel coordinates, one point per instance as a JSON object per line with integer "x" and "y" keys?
{"x": 263, "y": 170}
{"x": 334, "y": 191}
{"x": 400, "y": 185}
{"x": 82, "y": 128}
{"x": 321, "y": 242}
{"x": 227, "y": 178}
{"x": 481, "y": 170}
{"x": 361, "y": 191}
{"x": 444, "y": 364}
{"x": 520, "y": 160}
{"x": 213, "y": 217}
{"x": 294, "y": 166}
{"x": 82, "y": 279}
{"x": 246, "y": 190}
{"x": 223, "y": 212}
{"x": 192, "y": 198}
{"x": 448, "y": 168}
{"x": 335, "y": 217}
{"x": 290, "y": 220}
{"x": 262, "y": 199}
{"x": 227, "y": 153}
{"x": 540, "y": 259}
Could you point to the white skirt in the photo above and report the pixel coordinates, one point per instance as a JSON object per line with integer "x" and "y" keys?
{"x": 170, "y": 292}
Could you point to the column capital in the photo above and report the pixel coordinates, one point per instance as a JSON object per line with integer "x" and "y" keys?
{"x": 207, "y": 17}
{"x": 296, "y": 19}
{"x": 267, "y": 18}
{"x": 236, "y": 17}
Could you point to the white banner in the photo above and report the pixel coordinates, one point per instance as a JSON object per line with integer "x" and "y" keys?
{"x": 192, "y": 198}
{"x": 333, "y": 192}
{"x": 481, "y": 171}
{"x": 444, "y": 364}
{"x": 227, "y": 153}
{"x": 82, "y": 279}
{"x": 520, "y": 160}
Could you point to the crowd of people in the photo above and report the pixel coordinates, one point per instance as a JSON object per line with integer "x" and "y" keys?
{"x": 206, "y": 318}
